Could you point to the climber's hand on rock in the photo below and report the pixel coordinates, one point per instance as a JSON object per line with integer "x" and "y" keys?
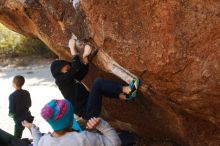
{"x": 86, "y": 53}
{"x": 71, "y": 44}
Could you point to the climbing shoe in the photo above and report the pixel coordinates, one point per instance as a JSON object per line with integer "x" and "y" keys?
{"x": 133, "y": 85}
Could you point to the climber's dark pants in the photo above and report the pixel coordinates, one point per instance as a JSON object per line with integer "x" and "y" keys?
{"x": 101, "y": 87}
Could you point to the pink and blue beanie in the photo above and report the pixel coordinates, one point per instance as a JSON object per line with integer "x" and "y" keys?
{"x": 58, "y": 113}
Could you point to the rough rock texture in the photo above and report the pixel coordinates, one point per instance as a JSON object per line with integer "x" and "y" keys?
{"x": 172, "y": 46}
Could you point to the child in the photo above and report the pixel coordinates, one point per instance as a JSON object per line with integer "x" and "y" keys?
{"x": 19, "y": 104}
{"x": 59, "y": 114}
{"x": 68, "y": 77}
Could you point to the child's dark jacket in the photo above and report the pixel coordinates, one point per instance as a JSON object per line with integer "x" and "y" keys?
{"x": 19, "y": 104}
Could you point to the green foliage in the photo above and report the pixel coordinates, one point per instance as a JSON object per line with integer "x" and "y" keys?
{"x": 14, "y": 44}
{"x": 8, "y": 39}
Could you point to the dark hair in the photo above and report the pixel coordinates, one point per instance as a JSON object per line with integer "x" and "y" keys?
{"x": 19, "y": 80}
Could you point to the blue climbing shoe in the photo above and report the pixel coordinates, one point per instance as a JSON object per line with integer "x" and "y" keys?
{"x": 133, "y": 85}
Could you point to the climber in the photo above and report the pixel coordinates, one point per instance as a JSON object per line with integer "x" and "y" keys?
{"x": 59, "y": 115}
{"x": 68, "y": 77}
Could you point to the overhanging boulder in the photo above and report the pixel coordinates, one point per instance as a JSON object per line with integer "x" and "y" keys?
{"x": 172, "y": 46}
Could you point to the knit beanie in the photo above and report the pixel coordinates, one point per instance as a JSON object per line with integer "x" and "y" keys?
{"x": 58, "y": 113}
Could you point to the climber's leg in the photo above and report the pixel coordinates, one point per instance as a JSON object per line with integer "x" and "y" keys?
{"x": 101, "y": 87}
{"x": 112, "y": 89}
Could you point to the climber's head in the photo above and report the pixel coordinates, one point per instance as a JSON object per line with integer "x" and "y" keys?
{"x": 59, "y": 66}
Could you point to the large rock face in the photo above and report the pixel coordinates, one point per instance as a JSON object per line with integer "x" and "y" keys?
{"x": 172, "y": 46}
